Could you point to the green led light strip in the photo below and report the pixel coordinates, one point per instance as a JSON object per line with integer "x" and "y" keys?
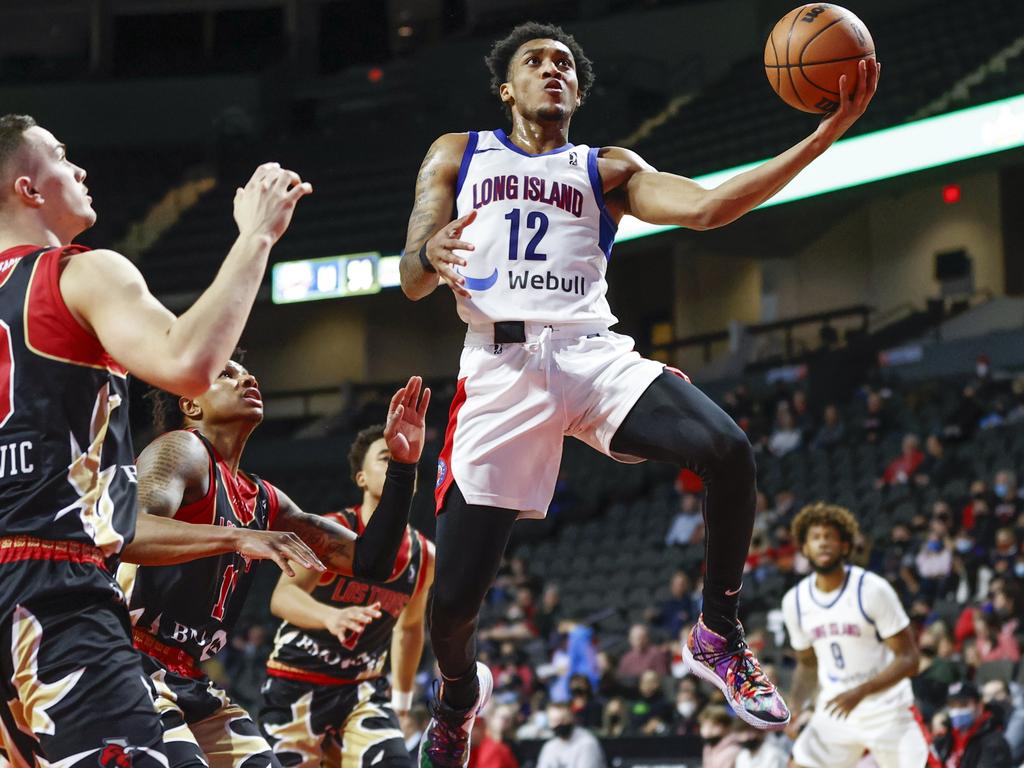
{"x": 885, "y": 154}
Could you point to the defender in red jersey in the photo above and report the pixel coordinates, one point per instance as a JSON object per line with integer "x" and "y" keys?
{"x": 184, "y": 609}
{"x": 73, "y": 323}
{"x": 326, "y": 699}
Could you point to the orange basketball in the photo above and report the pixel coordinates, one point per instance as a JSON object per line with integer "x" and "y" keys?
{"x": 809, "y": 49}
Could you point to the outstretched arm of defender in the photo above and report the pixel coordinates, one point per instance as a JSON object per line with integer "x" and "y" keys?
{"x": 665, "y": 198}
{"x": 407, "y": 639}
{"x": 372, "y": 555}
{"x": 108, "y": 295}
{"x": 906, "y": 659}
{"x": 174, "y": 471}
{"x": 432, "y": 235}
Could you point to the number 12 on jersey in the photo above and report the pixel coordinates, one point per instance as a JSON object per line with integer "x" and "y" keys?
{"x": 534, "y": 220}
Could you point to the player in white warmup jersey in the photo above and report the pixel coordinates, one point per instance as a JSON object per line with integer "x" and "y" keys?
{"x": 854, "y": 643}
{"x": 526, "y": 260}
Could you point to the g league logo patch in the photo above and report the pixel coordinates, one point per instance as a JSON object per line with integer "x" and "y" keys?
{"x": 442, "y": 472}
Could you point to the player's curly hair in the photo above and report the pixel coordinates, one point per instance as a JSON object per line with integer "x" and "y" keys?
{"x": 362, "y": 443}
{"x": 499, "y": 60}
{"x": 821, "y": 513}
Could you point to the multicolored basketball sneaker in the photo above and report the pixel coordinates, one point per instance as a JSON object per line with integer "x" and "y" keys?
{"x": 728, "y": 664}
{"x": 445, "y": 743}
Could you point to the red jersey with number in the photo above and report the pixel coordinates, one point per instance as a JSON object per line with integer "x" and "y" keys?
{"x": 67, "y": 469}
{"x": 193, "y": 606}
{"x": 316, "y": 655}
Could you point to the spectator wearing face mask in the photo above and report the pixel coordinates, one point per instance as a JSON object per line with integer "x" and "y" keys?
{"x": 687, "y": 706}
{"x": 975, "y": 738}
{"x": 585, "y": 708}
{"x": 571, "y": 746}
{"x": 757, "y": 752}
{"x": 998, "y": 692}
{"x": 721, "y": 745}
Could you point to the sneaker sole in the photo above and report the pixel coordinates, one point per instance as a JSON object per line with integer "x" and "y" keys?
{"x": 702, "y": 671}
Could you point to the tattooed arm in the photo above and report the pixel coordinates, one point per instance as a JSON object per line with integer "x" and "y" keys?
{"x": 432, "y": 211}
{"x": 174, "y": 471}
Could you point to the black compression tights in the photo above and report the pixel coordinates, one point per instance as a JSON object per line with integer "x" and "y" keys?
{"x": 673, "y": 421}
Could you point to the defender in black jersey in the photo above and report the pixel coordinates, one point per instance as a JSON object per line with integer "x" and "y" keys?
{"x": 326, "y": 698}
{"x": 182, "y": 612}
{"x": 71, "y": 687}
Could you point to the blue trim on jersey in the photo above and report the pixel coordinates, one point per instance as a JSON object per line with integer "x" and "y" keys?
{"x": 860, "y": 599}
{"x": 608, "y": 226}
{"x": 474, "y": 137}
{"x": 810, "y": 589}
{"x": 501, "y": 136}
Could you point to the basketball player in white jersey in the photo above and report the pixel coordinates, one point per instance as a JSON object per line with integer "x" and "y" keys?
{"x": 526, "y": 260}
{"x": 854, "y": 643}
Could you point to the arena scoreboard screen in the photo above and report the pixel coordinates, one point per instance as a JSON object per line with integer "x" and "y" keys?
{"x": 333, "y": 277}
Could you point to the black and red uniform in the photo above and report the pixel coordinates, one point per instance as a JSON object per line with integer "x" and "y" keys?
{"x": 68, "y": 674}
{"x": 183, "y": 615}
{"x": 327, "y": 702}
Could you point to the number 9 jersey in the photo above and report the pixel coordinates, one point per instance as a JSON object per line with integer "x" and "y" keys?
{"x": 542, "y": 235}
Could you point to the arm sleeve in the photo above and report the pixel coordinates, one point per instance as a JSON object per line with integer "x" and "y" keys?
{"x": 798, "y": 639}
{"x": 881, "y": 605}
{"x": 378, "y": 547}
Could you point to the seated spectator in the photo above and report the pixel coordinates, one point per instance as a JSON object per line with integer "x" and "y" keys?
{"x": 786, "y": 436}
{"x": 962, "y": 422}
{"x": 616, "y": 719}
{"x": 571, "y": 746}
{"x": 937, "y": 469}
{"x": 585, "y": 707}
{"x": 934, "y": 560}
{"x": 681, "y": 608}
{"x": 875, "y": 422}
{"x": 974, "y": 738}
{"x": 992, "y": 643}
{"x": 486, "y": 751}
{"x": 1008, "y": 504}
{"x": 801, "y": 412}
{"x": 650, "y": 712}
{"x": 642, "y": 655}
{"x": 688, "y": 705}
{"x": 997, "y": 692}
{"x": 688, "y": 525}
{"x": 939, "y": 669}
{"x": 1005, "y": 548}
{"x": 721, "y": 744}
{"x": 756, "y": 751}
{"x": 550, "y": 614}
{"x": 903, "y": 467}
{"x": 832, "y": 432}
{"x": 608, "y": 684}
{"x": 1016, "y": 413}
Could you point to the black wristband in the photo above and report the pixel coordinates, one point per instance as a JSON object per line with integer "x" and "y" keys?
{"x": 427, "y": 266}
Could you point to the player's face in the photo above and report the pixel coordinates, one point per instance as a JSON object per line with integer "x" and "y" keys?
{"x": 54, "y": 184}
{"x": 825, "y": 550}
{"x": 375, "y": 467}
{"x": 234, "y": 397}
{"x": 542, "y": 82}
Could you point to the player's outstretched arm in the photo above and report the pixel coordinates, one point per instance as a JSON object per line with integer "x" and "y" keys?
{"x": 107, "y": 294}
{"x": 665, "y": 198}
{"x": 293, "y": 602}
{"x": 407, "y": 639}
{"x": 372, "y": 555}
{"x": 432, "y": 235}
{"x": 905, "y": 663}
{"x": 174, "y": 471}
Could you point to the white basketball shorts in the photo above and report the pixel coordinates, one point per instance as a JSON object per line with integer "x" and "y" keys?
{"x": 894, "y": 738}
{"x": 515, "y": 402}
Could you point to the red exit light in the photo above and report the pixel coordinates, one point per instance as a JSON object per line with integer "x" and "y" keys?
{"x": 951, "y": 194}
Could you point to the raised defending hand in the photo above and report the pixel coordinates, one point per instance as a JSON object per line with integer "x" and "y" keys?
{"x": 439, "y": 252}
{"x": 851, "y": 106}
{"x": 283, "y": 547}
{"x": 264, "y": 206}
{"x": 405, "y": 425}
{"x": 352, "y": 619}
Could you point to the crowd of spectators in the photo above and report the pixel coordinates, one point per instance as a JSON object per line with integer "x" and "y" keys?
{"x": 957, "y": 564}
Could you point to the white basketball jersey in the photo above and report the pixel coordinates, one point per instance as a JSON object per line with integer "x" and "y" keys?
{"x": 847, "y": 628}
{"x": 542, "y": 235}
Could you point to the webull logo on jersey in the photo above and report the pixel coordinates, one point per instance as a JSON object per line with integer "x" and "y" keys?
{"x": 510, "y": 187}
{"x": 547, "y": 282}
